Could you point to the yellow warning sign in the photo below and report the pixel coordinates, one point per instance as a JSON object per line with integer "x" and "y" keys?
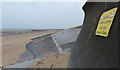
{"x": 105, "y": 22}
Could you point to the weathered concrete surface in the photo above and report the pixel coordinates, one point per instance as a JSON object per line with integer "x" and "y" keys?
{"x": 39, "y": 49}
{"x": 26, "y": 56}
{"x": 66, "y": 36}
{"x": 91, "y": 51}
{"x": 68, "y": 45}
{"x": 49, "y": 45}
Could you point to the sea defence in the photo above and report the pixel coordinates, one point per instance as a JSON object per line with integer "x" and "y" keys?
{"x": 46, "y": 46}
{"x": 93, "y": 51}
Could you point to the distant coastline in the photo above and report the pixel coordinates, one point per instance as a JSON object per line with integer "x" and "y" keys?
{"x": 28, "y": 29}
{"x": 4, "y": 32}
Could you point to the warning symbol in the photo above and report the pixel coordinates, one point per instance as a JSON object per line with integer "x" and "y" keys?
{"x": 105, "y": 22}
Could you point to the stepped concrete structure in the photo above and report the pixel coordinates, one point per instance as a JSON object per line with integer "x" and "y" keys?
{"x": 46, "y": 46}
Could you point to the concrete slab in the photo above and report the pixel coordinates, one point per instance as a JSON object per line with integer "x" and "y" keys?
{"x": 66, "y": 36}
{"x": 39, "y": 49}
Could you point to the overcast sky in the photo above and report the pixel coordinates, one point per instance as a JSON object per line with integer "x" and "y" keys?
{"x": 41, "y": 15}
{"x": 43, "y": 0}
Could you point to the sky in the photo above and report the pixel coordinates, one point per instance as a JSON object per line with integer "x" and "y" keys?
{"x": 43, "y": 0}
{"x": 41, "y": 15}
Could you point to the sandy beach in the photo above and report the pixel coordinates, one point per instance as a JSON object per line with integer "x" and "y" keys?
{"x": 14, "y": 45}
{"x": 57, "y": 61}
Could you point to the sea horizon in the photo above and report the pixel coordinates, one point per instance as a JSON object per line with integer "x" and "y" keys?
{"x": 20, "y": 31}
{"x": 25, "y": 29}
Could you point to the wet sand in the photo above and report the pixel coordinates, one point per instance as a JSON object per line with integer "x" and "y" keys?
{"x": 14, "y": 45}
